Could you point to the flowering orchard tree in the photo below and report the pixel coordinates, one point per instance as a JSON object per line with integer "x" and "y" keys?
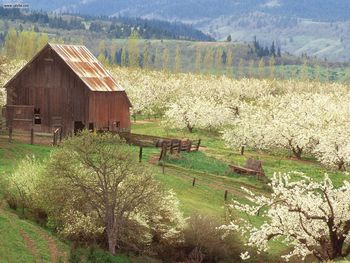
{"x": 333, "y": 149}
{"x": 311, "y": 217}
{"x": 297, "y": 122}
{"x": 192, "y": 112}
{"x": 7, "y": 70}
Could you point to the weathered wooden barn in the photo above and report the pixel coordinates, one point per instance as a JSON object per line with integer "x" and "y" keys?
{"x": 66, "y": 86}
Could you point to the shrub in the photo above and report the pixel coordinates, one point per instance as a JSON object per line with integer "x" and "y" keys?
{"x": 95, "y": 255}
{"x": 204, "y": 240}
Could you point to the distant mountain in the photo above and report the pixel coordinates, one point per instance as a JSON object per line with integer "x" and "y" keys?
{"x": 316, "y": 27}
{"x": 198, "y": 9}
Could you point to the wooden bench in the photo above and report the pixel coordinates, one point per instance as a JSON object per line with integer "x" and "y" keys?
{"x": 252, "y": 167}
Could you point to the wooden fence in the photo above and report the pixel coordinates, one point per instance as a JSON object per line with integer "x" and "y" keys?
{"x": 177, "y": 146}
{"x": 33, "y": 137}
{"x": 167, "y": 145}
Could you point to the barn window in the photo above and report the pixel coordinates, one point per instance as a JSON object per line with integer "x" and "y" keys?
{"x": 37, "y": 116}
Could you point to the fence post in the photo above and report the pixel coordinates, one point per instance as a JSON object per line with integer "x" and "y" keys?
{"x": 194, "y": 181}
{"x": 198, "y": 145}
{"x": 180, "y": 146}
{"x": 171, "y": 146}
{"x": 10, "y": 134}
{"x": 140, "y": 154}
{"x": 226, "y": 193}
{"x": 189, "y": 145}
{"x": 61, "y": 131}
{"x": 54, "y": 139}
{"x": 31, "y": 136}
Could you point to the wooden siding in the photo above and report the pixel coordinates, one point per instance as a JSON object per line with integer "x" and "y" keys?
{"x": 106, "y": 108}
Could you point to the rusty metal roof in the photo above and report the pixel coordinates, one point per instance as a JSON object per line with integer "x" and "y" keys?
{"x": 87, "y": 67}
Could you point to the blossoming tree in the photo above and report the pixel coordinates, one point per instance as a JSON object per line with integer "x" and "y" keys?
{"x": 313, "y": 218}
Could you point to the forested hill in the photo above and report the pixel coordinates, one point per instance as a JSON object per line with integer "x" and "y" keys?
{"x": 113, "y": 27}
{"x": 325, "y": 10}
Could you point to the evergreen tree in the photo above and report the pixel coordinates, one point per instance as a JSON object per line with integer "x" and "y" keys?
{"x": 229, "y": 38}
{"x": 273, "y": 49}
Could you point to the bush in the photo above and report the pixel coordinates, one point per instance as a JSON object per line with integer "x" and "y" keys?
{"x": 205, "y": 241}
{"x": 95, "y": 255}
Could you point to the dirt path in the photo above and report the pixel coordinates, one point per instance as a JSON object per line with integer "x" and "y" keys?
{"x": 55, "y": 253}
{"x": 30, "y": 244}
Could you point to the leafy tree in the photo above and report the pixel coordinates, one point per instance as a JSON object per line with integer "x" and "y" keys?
{"x": 133, "y": 49}
{"x": 124, "y": 58}
{"x": 113, "y": 52}
{"x": 11, "y": 44}
{"x": 218, "y": 59}
{"x": 165, "y": 60}
{"x": 251, "y": 68}
{"x": 229, "y": 38}
{"x": 261, "y": 68}
{"x": 229, "y": 63}
{"x": 95, "y": 186}
{"x": 272, "y": 67}
{"x": 240, "y": 69}
{"x": 198, "y": 60}
{"x": 177, "y": 67}
{"x": 208, "y": 59}
{"x": 146, "y": 57}
{"x": 158, "y": 59}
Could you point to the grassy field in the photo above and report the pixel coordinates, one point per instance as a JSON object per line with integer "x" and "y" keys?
{"x": 208, "y": 166}
{"x": 22, "y": 240}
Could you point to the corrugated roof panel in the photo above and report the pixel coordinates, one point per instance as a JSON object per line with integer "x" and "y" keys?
{"x": 87, "y": 67}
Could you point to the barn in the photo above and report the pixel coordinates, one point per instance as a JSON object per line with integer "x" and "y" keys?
{"x": 65, "y": 86}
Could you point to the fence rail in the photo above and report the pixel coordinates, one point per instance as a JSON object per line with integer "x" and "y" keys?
{"x": 33, "y": 137}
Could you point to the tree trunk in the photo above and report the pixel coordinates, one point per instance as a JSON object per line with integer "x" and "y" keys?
{"x": 111, "y": 232}
{"x": 242, "y": 150}
{"x": 190, "y": 128}
{"x": 112, "y": 241}
{"x": 297, "y": 152}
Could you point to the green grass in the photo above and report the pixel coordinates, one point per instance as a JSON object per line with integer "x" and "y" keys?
{"x": 14, "y": 247}
{"x": 208, "y": 166}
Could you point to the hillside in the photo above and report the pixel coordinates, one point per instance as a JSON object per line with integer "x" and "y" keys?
{"x": 317, "y": 27}
{"x": 312, "y": 9}
{"x": 116, "y": 27}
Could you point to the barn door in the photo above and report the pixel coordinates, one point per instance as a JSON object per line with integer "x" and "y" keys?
{"x": 78, "y": 126}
